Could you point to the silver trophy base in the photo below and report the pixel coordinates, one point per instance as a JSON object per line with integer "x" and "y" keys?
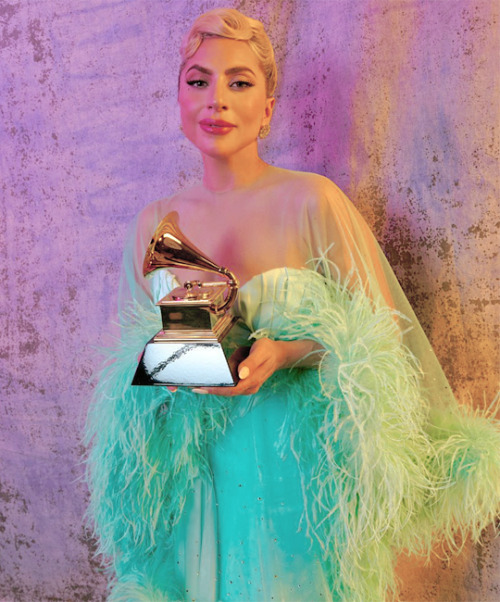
{"x": 184, "y": 364}
{"x": 193, "y": 358}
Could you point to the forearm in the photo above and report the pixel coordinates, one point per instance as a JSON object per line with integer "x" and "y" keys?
{"x": 304, "y": 353}
{"x": 266, "y": 357}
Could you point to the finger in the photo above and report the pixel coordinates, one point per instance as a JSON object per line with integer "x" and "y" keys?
{"x": 237, "y": 358}
{"x": 243, "y": 372}
{"x": 242, "y": 388}
{"x": 255, "y": 360}
{"x": 253, "y": 371}
{"x": 247, "y": 386}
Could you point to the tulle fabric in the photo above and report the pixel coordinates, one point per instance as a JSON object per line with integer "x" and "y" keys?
{"x": 308, "y": 489}
{"x": 295, "y": 220}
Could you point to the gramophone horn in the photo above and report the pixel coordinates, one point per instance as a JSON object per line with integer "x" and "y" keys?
{"x": 169, "y": 248}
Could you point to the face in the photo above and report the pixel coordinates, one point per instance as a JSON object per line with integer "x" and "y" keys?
{"x": 222, "y": 97}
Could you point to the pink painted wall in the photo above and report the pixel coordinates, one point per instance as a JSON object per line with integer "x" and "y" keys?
{"x": 395, "y": 101}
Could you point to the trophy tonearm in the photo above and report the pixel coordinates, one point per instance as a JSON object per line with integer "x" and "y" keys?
{"x": 193, "y": 347}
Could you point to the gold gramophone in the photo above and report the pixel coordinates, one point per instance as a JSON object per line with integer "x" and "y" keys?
{"x": 192, "y": 349}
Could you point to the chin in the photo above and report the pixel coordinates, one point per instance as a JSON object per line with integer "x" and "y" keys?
{"x": 217, "y": 153}
{"x": 222, "y": 150}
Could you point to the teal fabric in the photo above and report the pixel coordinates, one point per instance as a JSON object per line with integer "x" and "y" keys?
{"x": 304, "y": 491}
{"x": 259, "y": 541}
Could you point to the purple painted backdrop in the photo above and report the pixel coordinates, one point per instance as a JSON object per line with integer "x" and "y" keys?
{"x": 395, "y": 101}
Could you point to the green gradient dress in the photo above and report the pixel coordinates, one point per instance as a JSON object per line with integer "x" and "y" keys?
{"x": 308, "y": 489}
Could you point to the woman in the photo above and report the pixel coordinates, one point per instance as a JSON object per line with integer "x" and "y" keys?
{"x": 342, "y": 442}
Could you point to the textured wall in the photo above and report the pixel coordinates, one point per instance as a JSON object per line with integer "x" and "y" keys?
{"x": 397, "y": 101}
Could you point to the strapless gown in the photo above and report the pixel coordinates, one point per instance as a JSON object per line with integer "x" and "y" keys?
{"x": 304, "y": 491}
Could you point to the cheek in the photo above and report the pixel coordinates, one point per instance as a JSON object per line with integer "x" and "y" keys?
{"x": 255, "y": 110}
{"x": 187, "y": 102}
{"x": 187, "y": 114}
{"x": 183, "y": 105}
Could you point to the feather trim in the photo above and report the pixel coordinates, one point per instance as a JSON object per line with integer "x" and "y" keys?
{"x": 369, "y": 476}
{"x": 380, "y": 478}
{"x": 380, "y": 471}
{"x": 132, "y": 592}
{"x": 137, "y": 588}
{"x": 467, "y": 460}
{"x": 147, "y": 447}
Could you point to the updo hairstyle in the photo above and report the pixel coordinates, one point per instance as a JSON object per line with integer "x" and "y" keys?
{"x": 231, "y": 24}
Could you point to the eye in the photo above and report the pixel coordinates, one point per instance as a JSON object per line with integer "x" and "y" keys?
{"x": 241, "y": 83}
{"x": 197, "y": 83}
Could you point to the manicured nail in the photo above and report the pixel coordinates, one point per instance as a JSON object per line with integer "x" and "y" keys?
{"x": 200, "y": 391}
{"x": 243, "y": 372}
{"x": 172, "y": 389}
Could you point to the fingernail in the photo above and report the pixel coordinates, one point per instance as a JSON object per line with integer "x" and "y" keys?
{"x": 243, "y": 372}
{"x": 172, "y": 389}
{"x": 200, "y": 391}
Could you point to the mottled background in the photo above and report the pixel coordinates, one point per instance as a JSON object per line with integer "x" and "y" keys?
{"x": 397, "y": 101}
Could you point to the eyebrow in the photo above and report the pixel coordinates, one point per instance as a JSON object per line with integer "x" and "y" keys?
{"x": 230, "y": 71}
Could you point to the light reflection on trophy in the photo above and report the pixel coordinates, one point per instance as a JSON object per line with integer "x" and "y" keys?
{"x": 192, "y": 348}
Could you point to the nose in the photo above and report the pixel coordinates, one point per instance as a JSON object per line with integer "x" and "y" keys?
{"x": 217, "y": 105}
{"x": 219, "y": 100}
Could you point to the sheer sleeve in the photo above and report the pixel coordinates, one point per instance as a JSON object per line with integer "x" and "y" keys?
{"x": 340, "y": 242}
{"x": 387, "y": 459}
{"x": 134, "y": 287}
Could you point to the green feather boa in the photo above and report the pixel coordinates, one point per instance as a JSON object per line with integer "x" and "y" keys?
{"x": 382, "y": 469}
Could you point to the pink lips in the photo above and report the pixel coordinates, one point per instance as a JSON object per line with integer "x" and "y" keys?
{"x": 216, "y": 126}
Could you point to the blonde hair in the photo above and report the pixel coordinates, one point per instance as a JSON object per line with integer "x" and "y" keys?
{"x": 231, "y": 24}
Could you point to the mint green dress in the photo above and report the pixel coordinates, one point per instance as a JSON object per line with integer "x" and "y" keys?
{"x": 308, "y": 489}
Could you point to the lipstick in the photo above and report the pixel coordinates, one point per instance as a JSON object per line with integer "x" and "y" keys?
{"x": 219, "y": 127}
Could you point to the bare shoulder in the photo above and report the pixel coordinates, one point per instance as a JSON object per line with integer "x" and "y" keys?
{"x": 144, "y": 224}
{"x": 155, "y": 210}
{"x": 151, "y": 215}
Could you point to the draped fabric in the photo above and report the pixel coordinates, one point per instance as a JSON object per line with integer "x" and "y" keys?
{"x": 308, "y": 489}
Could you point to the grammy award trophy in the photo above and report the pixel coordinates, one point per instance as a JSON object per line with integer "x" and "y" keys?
{"x": 192, "y": 348}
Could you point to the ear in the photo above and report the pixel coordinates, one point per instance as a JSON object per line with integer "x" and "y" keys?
{"x": 268, "y": 110}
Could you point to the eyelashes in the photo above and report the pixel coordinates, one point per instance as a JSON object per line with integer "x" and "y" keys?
{"x": 239, "y": 84}
{"x": 242, "y": 84}
{"x": 196, "y": 83}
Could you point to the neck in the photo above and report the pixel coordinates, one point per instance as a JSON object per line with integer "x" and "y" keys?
{"x": 222, "y": 174}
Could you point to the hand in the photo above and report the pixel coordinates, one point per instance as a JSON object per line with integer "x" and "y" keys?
{"x": 265, "y": 357}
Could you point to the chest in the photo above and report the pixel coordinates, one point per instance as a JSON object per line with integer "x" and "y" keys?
{"x": 247, "y": 238}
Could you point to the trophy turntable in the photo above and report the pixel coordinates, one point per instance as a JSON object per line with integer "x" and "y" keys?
{"x": 192, "y": 348}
